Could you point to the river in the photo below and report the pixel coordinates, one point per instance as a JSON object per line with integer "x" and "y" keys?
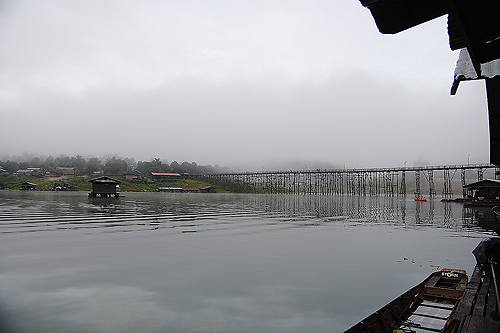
{"x": 159, "y": 262}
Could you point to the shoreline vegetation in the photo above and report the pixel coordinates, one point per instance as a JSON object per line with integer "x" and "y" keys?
{"x": 73, "y": 173}
{"x": 81, "y": 183}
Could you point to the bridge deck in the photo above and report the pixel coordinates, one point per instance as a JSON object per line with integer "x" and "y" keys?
{"x": 368, "y": 170}
{"x": 479, "y": 300}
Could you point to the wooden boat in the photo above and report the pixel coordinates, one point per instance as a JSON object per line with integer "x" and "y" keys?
{"x": 427, "y": 307}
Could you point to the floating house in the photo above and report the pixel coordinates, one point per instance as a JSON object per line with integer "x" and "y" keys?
{"x": 484, "y": 192}
{"x": 104, "y": 187}
{"x": 27, "y": 186}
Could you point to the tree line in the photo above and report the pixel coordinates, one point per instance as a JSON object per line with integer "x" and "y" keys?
{"x": 111, "y": 165}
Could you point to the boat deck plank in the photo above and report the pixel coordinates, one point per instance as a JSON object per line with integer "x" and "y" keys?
{"x": 478, "y": 301}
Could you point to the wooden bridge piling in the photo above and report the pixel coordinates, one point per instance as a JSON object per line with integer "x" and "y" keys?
{"x": 375, "y": 181}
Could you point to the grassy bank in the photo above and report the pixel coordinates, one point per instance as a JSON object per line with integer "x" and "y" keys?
{"x": 82, "y": 184}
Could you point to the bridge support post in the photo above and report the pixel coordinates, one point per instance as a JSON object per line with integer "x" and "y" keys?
{"x": 447, "y": 189}
{"x": 464, "y": 182}
{"x": 480, "y": 174}
{"x": 417, "y": 183}
{"x": 402, "y": 189}
{"x": 430, "y": 179}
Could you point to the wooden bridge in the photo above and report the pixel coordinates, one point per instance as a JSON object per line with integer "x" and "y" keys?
{"x": 374, "y": 181}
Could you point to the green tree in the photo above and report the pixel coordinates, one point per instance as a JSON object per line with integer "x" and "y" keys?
{"x": 49, "y": 163}
{"x": 62, "y": 161}
{"x": 93, "y": 164}
{"x": 10, "y": 166}
{"x": 79, "y": 164}
{"x": 36, "y": 162}
{"x": 156, "y": 165}
{"x": 115, "y": 166}
{"x": 175, "y": 167}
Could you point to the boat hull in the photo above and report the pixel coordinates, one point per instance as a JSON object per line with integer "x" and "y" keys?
{"x": 429, "y": 304}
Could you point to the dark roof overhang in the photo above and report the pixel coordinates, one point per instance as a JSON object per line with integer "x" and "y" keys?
{"x": 472, "y": 24}
{"x": 476, "y": 26}
{"x": 393, "y": 16}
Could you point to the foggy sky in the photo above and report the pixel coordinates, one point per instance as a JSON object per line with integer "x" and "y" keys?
{"x": 246, "y": 84}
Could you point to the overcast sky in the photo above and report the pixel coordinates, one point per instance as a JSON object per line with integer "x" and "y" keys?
{"x": 249, "y": 84}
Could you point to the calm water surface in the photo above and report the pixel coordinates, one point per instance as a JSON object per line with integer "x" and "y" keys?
{"x": 156, "y": 262}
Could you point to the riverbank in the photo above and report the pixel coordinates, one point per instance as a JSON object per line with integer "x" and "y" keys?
{"x": 82, "y": 184}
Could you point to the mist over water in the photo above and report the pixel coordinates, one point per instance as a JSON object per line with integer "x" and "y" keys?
{"x": 158, "y": 262}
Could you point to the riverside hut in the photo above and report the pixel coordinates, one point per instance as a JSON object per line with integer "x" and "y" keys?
{"x": 104, "y": 187}
{"x": 484, "y": 192}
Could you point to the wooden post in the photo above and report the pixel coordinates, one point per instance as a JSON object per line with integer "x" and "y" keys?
{"x": 493, "y": 96}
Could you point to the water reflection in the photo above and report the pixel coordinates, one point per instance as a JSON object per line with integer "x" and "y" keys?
{"x": 48, "y": 211}
{"x": 482, "y": 217}
{"x": 164, "y": 262}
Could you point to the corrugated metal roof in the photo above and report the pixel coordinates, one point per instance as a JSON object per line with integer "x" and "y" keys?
{"x": 165, "y": 174}
{"x": 465, "y": 71}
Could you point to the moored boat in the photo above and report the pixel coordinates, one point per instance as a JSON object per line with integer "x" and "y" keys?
{"x": 427, "y": 307}
{"x": 420, "y": 198}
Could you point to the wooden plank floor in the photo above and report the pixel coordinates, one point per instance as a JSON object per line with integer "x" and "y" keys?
{"x": 479, "y": 300}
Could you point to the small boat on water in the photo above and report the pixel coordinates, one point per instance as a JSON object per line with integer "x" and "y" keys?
{"x": 427, "y": 307}
{"x": 420, "y": 198}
